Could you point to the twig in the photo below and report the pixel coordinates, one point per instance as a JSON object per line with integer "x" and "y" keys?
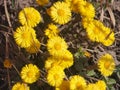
{"x": 7, "y": 14}
{"x": 9, "y": 79}
{"x": 16, "y": 69}
{"x": 42, "y": 79}
{"x": 6, "y": 46}
{"x": 4, "y": 26}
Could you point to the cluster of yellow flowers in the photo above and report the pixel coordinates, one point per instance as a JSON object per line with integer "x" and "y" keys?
{"x": 77, "y": 82}
{"x": 60, "y": 57}
{"x": 25, "y": 35}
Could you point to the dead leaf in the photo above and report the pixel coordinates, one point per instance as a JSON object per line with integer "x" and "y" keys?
{"x": 102, "y": 15}
{"x": 112, "y": 17}
{"x": 116, "y": 5}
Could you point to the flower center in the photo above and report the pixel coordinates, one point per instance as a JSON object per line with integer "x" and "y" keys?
{"x": 21, "y": 87}
{"x": 28, "y": 16}
{"x": 78, "y": 85}
{"x": 107, "y": 65}
{"x": 96, "y": 30}
{"x": 56, "y": 76}
{"x": 61, "y": 12}
{"x": 57, "y": 46}
{"x": 25, "y": 35}
{"x": 29, "y": 73}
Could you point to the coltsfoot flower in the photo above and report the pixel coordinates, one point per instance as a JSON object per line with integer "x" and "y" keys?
{"x": 29, "y": 16}
{"x": 60, "y": 12}
{"x": 56, "y": 46}
{"x": 51, "y": 31}
{"x": 24, "y": 36}
{"x": 77, "y": 83}
{"x": 55, "y": 76}
{"x": 20, "y": 86}
{"x": 106, "y": 65}
{"x": 34, "y": 47}
{"x": 30, "y": 73}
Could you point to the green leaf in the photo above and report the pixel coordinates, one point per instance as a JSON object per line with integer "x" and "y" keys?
{"x": 79, "y": 53}
{"x": 118, "y": 74}
{"x": 91, "y": 73}
{"x": 111, "y": 81}
{"x": 110, "y": 87}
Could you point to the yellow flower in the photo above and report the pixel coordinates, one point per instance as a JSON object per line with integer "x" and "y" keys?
{"x": 42, "y": 2}
{"x": 30, "y": 73}
{"x": 51, "y": 31}
{"x": 95, "y": 31}
{"x": 65, "y": 60}
{"x": 64, "y": 86}
{"x": 56, "y": 46}
{"x": 68, "y": 2}
{"x": 106, "y": 65}
{"x": 87, "y": 10}
{"x": 24, "y": 36}
{"x": 20, "y": 86}
{"x": 77, "y": 83}
{"x": 34, "y": 48}
{"x": 86, "y": 22}
{"x": 76, "y": 4}
{"x": 29, "y": 16}
{"x": 101, "y": 85}
{"x": 55, "y": 76}
{"x": 109, "y": 37}
{"x": 49, "y": 62}
{"x": 92, "y": 86}
{"x": 60, "y": 12}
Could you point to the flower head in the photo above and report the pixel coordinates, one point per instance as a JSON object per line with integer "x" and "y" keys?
{"x": 49, "y": 62}
{"x": 95, "y": 30}
{"x": 87, "y": 10}
{"x": 24, "y": 36}
{"x": 76, "y": 4}
{"x": 64, "y": 86}
{"x": 29, "y": 16}
{"x": 109, "y": 37}
{"x": 101, "y": 85}
{"x": 60, "y": 12}
{"x": 34, "y": 47}
{"x": 55, "y": 76}
{"x": 106, "y": 65}
{"x": 77, "y": 83}
{"x": 56, "y": 46}
{"x": 92, "y": 86}
{"x": 30, "y": 73}
{"x": 65, "y": 60}
{"x": 51, "y": 31}
{"x": 68, "y": 2}
{"x": 86, "y": 22}
{"x": 42, "y": 2}
{"x": 20, "y": 86}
